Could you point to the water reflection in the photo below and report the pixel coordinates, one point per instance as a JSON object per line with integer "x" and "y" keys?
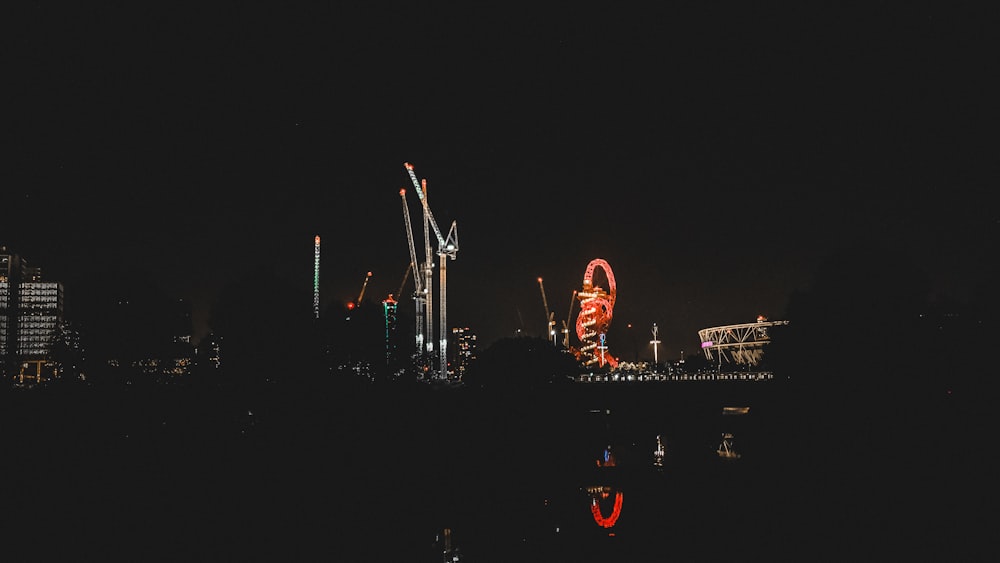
{"x": 604, "y": 494}
{"x": 726, "y": 450}
{"x": 658, "y": 453}
{"x": 569, "y": 501}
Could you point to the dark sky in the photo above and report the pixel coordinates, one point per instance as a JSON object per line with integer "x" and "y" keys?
{"x": 712, "y": 153}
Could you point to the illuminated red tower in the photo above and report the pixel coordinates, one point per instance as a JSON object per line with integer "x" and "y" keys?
{"x": 596, "y": 309}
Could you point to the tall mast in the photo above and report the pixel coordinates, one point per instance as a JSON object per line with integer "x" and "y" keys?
{"x": 655, "y": 342}
{"x": 316, "y": 278}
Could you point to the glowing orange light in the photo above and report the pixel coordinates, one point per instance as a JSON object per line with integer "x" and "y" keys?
{"x": 350, "y": 305}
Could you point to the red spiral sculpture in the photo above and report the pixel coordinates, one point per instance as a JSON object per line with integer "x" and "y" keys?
{"x": 596, "y": 309}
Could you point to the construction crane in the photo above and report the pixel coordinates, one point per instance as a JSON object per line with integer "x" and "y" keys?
{"x": 549, "y": 315}
{"x": 447, "y": 248}
{"x": 428, "y": 271}
{"x": 567, "y": 323}
{"x": 364, "y": 285}
{"x": 352, "y": 305}
{"x": 402, "y": 283}
{"x": 420, "y": 290}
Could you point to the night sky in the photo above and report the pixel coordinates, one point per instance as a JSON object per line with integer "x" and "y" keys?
{"x": 712, "y": 153}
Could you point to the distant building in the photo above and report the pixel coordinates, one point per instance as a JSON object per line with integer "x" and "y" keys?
{"x": 152, "y": 337}
{"x": 463, "y": 351}
{"x": 31, "y": 322}
{"x": 209, "y": 351}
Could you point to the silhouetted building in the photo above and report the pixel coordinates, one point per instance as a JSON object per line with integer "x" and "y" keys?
{"x": 209, "y": 352}
{"x": 31, "y": 320}
{"x": 154, "y": 336}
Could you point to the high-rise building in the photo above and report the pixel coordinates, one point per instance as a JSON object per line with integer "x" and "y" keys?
{"x": 31, "y": 320}
{"x": 389, "y": 308}
{"x": 464, "y": 351}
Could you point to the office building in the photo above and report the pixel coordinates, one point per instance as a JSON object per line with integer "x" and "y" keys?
{"x": 31, "y": 321}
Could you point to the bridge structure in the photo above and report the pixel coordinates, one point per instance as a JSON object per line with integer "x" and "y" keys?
{"x": 741, "y": 344}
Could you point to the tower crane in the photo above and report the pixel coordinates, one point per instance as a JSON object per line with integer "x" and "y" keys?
{"x": 447, "y": 248}
{"x": 428, "y": 271}
{"x": 361, "y": 295}
{"x": 402, "y": 282}
{"x": 420, "y": 290}
{"x": 549, "y": 315}
{"x": 566, "y": 323}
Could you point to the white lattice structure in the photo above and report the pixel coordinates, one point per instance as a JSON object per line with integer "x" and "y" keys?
{"x": 737, "y": 344}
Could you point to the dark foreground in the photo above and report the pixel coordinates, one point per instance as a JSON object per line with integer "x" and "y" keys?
{"x": 176, "y": 474}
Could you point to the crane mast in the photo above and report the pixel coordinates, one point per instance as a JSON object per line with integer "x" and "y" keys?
{"x": 549, "y": 315}
{"x": 447, "y": 248}
{"x": 402, "y": 282}
{"x": 420, "y": 290}
{"x": 428, "y": 270}
{"x": 568, "y": 322}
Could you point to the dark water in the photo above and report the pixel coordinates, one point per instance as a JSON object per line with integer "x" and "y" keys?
{"x": 285, "y": 474}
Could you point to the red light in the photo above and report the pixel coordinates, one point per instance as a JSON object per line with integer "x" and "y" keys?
{"x": 350, "y": 305}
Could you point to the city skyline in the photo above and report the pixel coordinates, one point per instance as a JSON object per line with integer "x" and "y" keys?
{"x": 712, "y": 155}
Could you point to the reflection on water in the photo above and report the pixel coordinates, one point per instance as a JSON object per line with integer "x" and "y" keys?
{"x": 726, "y": 450}
{"x": 581, "y": 474}
{"x": 604, "y": 483}
{"x": 659, "y": 452}
{"x": 601, "y": 493}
